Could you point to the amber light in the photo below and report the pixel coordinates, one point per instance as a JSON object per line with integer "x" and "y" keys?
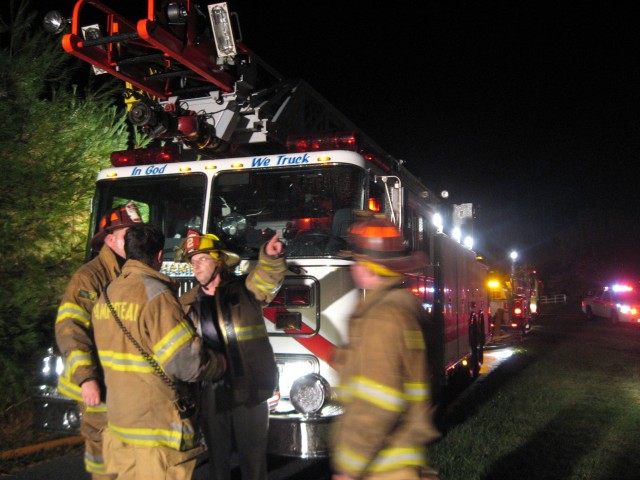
{"x": 373, "y": 205}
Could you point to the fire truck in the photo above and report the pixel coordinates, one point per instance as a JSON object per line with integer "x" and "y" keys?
{"x": 243, "y": 153}
{"x": 517, "y": 298}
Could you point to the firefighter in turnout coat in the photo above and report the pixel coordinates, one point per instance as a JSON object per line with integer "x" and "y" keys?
{"x": 82, "y": 378}
{"x": 227, "y": 312}
{"x": 384, "y": 371}
{"x": 146, "y": 346}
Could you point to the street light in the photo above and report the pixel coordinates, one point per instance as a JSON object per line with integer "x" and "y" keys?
{"x": 513, "y": 256}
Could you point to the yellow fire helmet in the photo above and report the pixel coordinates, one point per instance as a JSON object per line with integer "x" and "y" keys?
{"x": 196, "y": 243}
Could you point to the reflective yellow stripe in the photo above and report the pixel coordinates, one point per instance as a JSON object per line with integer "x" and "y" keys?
{"x": 69, "y": 389}
{"x": 251, "y": 332}
{"x": 348, "y": 460}
{"x": 270, "y": 265}
{"x": 74, "y": 392}
{"x": 377, "y": 394}
{"x": 77, "y": 359}
{"x": 416, "y": 392}
{"x": 100, "y": 408}
{"x": 393, "y": 458}
{"x": 73, "y": 311}
{"x": 265, "y": 286}
{"x": 153, "y": 437}
{"x": 172, "y": 341}
{"x": 94, "y": 464}
{"x": 124, "y": 362}
{"x": 388, "y": 459}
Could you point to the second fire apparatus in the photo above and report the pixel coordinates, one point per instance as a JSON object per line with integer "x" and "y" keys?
{"x": 247, "y": 154}
{"x": 517, "y": 297}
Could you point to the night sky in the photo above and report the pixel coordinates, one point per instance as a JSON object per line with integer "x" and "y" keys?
{"x": 528, "y": 110}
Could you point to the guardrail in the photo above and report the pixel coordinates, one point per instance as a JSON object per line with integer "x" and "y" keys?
{"x": 552, "y": 299}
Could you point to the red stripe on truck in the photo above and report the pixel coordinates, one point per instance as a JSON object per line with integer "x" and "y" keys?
{"x": 316, "y": 344}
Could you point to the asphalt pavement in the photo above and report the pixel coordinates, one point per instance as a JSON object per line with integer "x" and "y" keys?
{"x": 71, "y": 467}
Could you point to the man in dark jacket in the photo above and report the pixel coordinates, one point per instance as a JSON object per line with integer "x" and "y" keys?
{"x": 227, "y": 312}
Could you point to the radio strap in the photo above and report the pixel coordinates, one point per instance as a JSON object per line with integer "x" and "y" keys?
{"x": 184, "y": 405}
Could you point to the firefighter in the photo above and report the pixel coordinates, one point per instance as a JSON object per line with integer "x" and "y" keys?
{"x": 384, "y": 371}
{"x": 82, "y": 378}
{"x": 498, "y": 321}
{"x": 150, "y": 353}
{"x": 227, "y": 312}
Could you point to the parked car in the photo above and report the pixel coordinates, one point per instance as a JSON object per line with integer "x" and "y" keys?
{"x": 619, "y": 303}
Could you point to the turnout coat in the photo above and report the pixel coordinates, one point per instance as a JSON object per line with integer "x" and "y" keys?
{"x": 141, "y": 407}
{"x": 384, "y": 387}
{"x": 252, "y": 373}
{"x": 73, "y": 329}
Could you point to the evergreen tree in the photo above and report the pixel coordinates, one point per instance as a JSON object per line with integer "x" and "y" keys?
{"x": 53, "y": 141}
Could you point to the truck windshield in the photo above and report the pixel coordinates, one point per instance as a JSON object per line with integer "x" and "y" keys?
{"x": 311, "y": 208}
{"x": 175, "y": 203}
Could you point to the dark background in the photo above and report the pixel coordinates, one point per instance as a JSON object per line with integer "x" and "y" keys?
{"x": 528, "y": 110}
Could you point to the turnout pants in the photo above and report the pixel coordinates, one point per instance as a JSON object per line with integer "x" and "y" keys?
{"x": 224, "y": 426}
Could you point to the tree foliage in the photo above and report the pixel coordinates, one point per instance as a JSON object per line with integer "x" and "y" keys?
{"x": 53, "y": 141}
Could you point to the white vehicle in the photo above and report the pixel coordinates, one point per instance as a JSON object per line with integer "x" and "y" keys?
{"x": 618, "y": 303}
{"x": 244, "y": 163}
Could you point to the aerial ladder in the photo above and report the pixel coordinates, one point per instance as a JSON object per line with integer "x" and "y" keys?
{"x": 190, "y": 81}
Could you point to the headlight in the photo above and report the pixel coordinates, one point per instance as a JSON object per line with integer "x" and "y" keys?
{"x": 310, "y": 393}
{"x": 72, "y": 419}
{"x": 51, "y": 368}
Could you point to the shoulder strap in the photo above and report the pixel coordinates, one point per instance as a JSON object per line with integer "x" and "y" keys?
{"x": 186, "y": 407}
{"x": 152, "y": 361}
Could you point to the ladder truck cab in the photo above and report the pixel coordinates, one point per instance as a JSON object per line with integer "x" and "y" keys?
{"x": 246, "y": 154}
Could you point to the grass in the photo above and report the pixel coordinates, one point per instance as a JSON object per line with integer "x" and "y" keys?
{"x": 566, "y": 405}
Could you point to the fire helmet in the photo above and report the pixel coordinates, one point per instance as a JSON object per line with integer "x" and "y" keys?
{"x": 196, "y": 243}
{"x": 120, "y": 217}
{"x": 376, "y": 240}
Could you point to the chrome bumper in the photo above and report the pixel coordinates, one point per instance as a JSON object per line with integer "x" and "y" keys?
{"x": 300, "y": 436}
{"x": 53, "y": 412}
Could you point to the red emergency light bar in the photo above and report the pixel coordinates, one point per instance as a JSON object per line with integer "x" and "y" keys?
{"x": 331, "y": 141}
{"x": 144, "y": 156}
{"x": 622, "y": 288}
{"x": 313, "y": 143}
